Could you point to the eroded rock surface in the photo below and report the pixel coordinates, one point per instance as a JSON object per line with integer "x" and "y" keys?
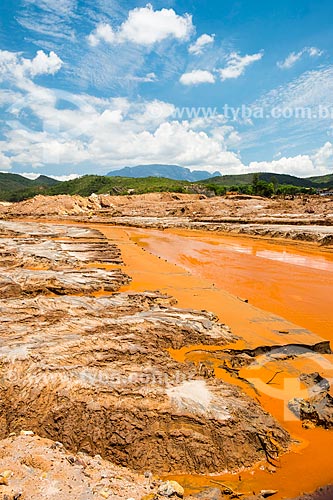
{"x": 318, "y": 408}
{"x": 24, "y": 282}
{"x": 54, "y": 246}
{"x": 31, "y": 229}
{"x": 94, "y": 374}
{"x": 62, "y": 252}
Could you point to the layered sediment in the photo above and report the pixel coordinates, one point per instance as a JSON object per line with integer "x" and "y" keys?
{"x": 304, "y": 218}
{"x": 95, "y": 372}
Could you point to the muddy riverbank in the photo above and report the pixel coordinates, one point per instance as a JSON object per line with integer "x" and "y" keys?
{"x": 257, "y": 328}
{"x": 238, "y": 360}
{"x": 304, "y": 218}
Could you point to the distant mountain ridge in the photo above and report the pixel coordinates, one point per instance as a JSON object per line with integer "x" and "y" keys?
{"x": 174, "y": 172}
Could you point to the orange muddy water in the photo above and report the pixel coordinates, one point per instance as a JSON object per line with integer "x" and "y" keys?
{"x": 292, "y": 280}
{"x": 289, "y": 288}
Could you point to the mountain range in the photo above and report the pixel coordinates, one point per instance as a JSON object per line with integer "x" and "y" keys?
{"x": 174, "y": 172}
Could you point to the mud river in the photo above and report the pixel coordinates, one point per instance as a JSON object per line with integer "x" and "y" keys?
{"x": 172, "y": 352}
{"x": 262, "y": 290}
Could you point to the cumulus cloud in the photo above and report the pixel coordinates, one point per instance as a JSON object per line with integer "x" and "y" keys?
{"x": 196, "y": 77}
{"x": 319, "y": 163}
{"x": 103, "y": 133}
{"x": 12, "y": 64}
{"x": 145, "y": 26}
{"x": 323, "y": 157}
{"x": 108, "y": 132}
{"x": 200, "y": 44}
{"x": 294, "y": 57}
{"x": 102, "y": 33}
{"x": 300, "y": 165}
{"x": 43, "y": 64}
{"x": 236, "y": 65}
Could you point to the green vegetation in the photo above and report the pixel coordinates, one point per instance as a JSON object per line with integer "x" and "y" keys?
{"x": 89, "y": 184}
{"x": 14, "y": 187}
{"x": 260, "y": 188}
{"x": 17, "y": 188}
{"x": 281, "y": 179}
{"x": 324, "y": 181}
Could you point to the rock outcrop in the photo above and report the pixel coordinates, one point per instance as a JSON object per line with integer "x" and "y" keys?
{"x": 94, "y": 373}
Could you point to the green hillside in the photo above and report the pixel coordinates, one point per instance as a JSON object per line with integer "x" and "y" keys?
{"x": 43, "y": 180}
{"x": 245, "y": 179}
{"x": 10, "y": 182}
{"x": 322, "y": 180}
{"x": 89, "y": 184}
{"x": 14, "y": 187}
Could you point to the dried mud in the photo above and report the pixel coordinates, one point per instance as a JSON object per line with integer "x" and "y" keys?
{"x": 304, "y": 218}
{"x": 96, "y": 374}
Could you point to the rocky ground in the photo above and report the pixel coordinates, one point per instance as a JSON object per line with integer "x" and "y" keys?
{"x": 308, "y": 218}
{"x": 95, "y": 374}
{"x": 36, "y": 468}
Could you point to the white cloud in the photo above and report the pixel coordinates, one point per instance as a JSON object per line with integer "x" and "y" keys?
{"x": 319, "y": 163}
{"x": 145, "y": 26}
{"x": 148, "y": 78}
{"x": 300, "y": 165}
{"x": 63, "y": 178}
{"x": 237, "y": 64}
{"x": 196, "y": 77}
{"x": 33, "y": 176}
{"x": 87, "y": 130}
{"x": 294, "y": 57}
{"x": 322, "y": 159}
{"x": 13, "y": 65}
{"x": 312, "y": 88}
{"x": 315, "y": 52}
{"x": 200, "y": 44}
{"x": 290, "y": 60}
{"x": 43, "y": 64}
{"x": 48, "y": 18}
{"x": 5, "y": 162}
{"x": 104, "y": 33}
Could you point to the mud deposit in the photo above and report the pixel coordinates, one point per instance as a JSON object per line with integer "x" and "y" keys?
{"x": 91, "y": 359}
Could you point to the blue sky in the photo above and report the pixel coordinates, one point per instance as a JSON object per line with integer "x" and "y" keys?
{"x": 87, "y": 86}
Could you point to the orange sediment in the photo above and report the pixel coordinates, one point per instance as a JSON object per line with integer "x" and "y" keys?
{"x": 289, "y": 289}
{"x": 210, "y": 285}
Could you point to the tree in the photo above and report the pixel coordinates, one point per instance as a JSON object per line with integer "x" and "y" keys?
{"x": 255, "y": 182}
{"x": 275, "y": 183}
